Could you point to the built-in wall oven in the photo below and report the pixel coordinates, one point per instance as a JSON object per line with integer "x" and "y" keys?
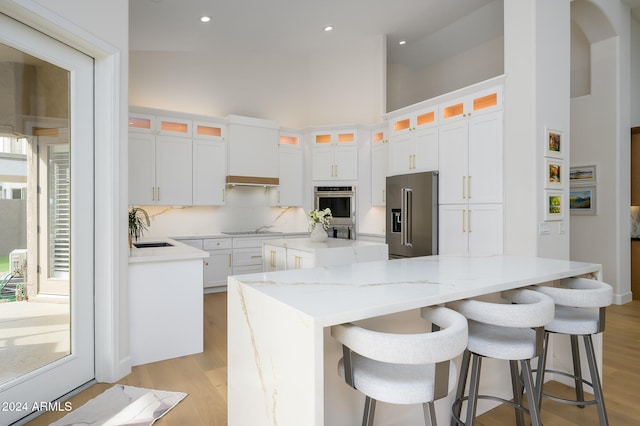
{"x": 342, "y": 202}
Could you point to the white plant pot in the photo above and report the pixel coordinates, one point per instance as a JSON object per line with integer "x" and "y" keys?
{"x": 318, "y": 234}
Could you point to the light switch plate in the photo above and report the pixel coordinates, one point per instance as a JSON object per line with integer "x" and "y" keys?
{"x": 543, "y": 229}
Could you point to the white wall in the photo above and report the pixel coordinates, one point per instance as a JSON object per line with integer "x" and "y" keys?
{"x": 293, "y": 91}
{"x": 600, "y": 127}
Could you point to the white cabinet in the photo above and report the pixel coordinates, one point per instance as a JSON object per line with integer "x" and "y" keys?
{"x": 470, "y": 105}
{"x": 252, "y": 147}
{"x": 470, "y": 229}
{"x": 247, "y": 254}
{"x": 274, "y": 258}
{"x": 471, "y": 186}
{"x": 160, "y": 160}
{"x": 379, "y": 167}
{"x": 471, "y": 166}
{"x": 335, "y": 155}
{"x": 160, "y": 170}
{"x": 298, "y": 259}
{"x": 290, "y": 172}
{"x": 219, "y": 264}
{"x": 413, "y": 152}
{"x": 413, "y": 145}
{"x": 209, "y": 172}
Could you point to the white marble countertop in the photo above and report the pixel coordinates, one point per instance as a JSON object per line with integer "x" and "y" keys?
{"x": 339, "y": 294}
{"x": 178, "y": 251}
{"x": 305, "y": 244}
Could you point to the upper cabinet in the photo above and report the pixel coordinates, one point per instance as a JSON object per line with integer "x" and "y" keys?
{"x": 209, "y": 163}
{"x": 160, "y": 161}
{"x": 335, "y": 155}
{"x": 176, "y": 161}
{"x": 253, "y": 148}
{"x": 411, "y": 122}
{"x": 290, "y": 172}
{"x": 466, "y": 106}
{"x": 379, "y": 165}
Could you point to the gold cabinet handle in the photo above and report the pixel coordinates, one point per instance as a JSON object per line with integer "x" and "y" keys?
{"x": 153, "y": 193}
{"x": 463, "y": 227}
{"x": 464, "y": 186}
{"x": 384, "y": 195}
{"x": 469, "y": 220}
{"x": 158, "y": 193}
{"x": 272, "y": 261}
{"x": 297, "y": 262}
{"x": 469, "y": 187}
{"x": 229, "y": 260}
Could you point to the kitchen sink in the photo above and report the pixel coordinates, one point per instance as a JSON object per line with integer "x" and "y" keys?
{"x": 155, "y": 244}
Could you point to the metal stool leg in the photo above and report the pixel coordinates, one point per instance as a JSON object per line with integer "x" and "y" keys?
{"x": 462, "y": 382}
{"x": 472, "y": 402}
{"x": 531, "y": 395}
{"x": 369, "y": 411}
{"x": 595, "y": 380}
{"x": 542, "y": 364}
{"x": 577, "y": 369}
{"x": 429, "y": 410}
{"x": 517, "y": 392}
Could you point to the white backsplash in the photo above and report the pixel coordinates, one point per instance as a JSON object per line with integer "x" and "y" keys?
{"x": 246, "y": 208}
{"x": 635, "y": 222}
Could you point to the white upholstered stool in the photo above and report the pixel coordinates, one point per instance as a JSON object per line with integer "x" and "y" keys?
{"x": 580, "y": 311}
{"x": 403, "y": 368}
{"x": 512, "y": 332}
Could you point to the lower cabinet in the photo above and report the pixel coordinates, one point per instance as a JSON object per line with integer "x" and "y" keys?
{"x": 298, "y": 259}
{"x": 274, "y": 258}
{"x": 247, "y": 254}
{"x": 219, "y": 264}
{"x": 474, "y": 229}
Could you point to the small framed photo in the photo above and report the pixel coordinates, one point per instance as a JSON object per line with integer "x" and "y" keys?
{"x": 554, "y": 143}
{"x": 553, "y": 173}
{"x": 582, "y": 200}
{"x": 582, "y": 175}
{"x": 553, "y": 208}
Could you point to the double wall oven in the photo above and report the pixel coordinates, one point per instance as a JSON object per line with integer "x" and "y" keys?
{"x": 342, "y": 202}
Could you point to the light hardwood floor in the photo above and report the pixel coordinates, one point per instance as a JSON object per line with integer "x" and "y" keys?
{"x": 204, "y": 378}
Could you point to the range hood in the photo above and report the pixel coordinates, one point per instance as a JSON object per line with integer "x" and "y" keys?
{"x": 252, "y": 181}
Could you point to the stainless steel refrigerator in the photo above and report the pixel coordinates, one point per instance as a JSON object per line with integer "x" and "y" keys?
{"x": 412, "y": 215}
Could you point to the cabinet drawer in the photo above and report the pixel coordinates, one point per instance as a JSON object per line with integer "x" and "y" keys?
{"x": 217, "y": 243}
{"x": 247, "y": 256}
{"x": 195, "y": 243}
{"x": 253, "y": 242}
{"x": 247, "y": 269}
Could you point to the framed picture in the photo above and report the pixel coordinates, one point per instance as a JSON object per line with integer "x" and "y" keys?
{"x": 582, "y": 200}
{"x": 553, "y": 208}
{"x": 554, "y": 144}
{"x": 582, "y": 175}
{"x": 552, "y": 173}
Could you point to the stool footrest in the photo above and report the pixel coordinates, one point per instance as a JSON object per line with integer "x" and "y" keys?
{"x": 458, "y": 402}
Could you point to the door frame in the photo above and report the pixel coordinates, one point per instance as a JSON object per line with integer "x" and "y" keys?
{"x": 112, "y": 360}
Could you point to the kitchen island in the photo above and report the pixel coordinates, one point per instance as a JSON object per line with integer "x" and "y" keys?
{"x": 282, "y": 361}
{"x": 297, "y": 253}
{"x": 165, "y": 300}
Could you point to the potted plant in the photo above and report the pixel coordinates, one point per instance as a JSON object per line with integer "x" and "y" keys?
{"x": 138, "y": 223}
{"x": 319, "y": 221}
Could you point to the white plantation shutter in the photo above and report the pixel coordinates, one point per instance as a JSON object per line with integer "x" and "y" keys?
{"x": 59, "y": 210}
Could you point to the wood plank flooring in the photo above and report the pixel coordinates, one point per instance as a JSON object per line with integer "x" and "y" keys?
{"x": 204, "y": 378}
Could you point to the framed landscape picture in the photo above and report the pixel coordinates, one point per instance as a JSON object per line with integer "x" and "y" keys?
{"x": 582, "y": 175}
{"x": 553, "y": 173}
{"x": 554, "y": 144}
{"x": 582, "y": 200}
{"x": 553, "y": 208}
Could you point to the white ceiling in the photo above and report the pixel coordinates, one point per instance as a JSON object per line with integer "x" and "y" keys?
{"x": 289, "y": 27}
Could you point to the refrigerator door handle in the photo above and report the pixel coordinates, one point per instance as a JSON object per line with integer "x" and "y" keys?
{"x": 403, "y": 216}
{"x": 407, "y": 198}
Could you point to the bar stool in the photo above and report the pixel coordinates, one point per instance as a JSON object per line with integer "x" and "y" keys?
{"x": 403, "y": 368}
{"x": 512, "y": 332}
{"x": 580, "y": 311}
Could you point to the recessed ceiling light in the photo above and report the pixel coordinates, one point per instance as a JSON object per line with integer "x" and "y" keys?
{"x": 402, "y": 42}
{"x": 328, "y": 28}
{"x": 205, "y": 19}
